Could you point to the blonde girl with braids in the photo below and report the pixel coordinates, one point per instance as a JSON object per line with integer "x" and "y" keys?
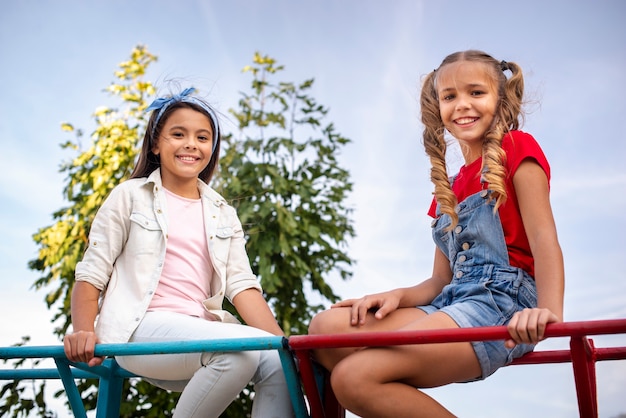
{"x": 497, "y": 258}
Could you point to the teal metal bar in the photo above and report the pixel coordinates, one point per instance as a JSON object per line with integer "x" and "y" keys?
{"x": 73, "y": 395}
{"x": 293, "y": 380}
{"x": 112, "y": 376}
{"x": 110, "y": 392}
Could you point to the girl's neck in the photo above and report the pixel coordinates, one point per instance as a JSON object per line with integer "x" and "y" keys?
{"x": 187, "y": 189}
{"x": 471, "y": 151}
{"x": 471, "y": 157}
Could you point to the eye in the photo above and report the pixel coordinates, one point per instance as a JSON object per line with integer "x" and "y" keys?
{"x": 477, "y": 93}
{"x": 177, "y": 134}
{"x": 448, "y": 97}
{"x": 203, "y": 138}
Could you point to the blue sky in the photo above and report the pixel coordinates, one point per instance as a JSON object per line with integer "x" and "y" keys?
{"x": 367, "y": 58}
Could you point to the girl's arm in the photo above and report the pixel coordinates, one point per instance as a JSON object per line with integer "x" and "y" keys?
{"x": 79, "y": 346}
{"x": 418, "y": 295}
{"x": 533, "y": 194}
{"x": 255, "y": 311}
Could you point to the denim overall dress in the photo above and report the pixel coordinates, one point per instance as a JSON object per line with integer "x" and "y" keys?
{"x": 485, "y": 289}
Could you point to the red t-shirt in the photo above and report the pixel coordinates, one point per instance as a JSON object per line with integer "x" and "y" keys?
{"x": 518, "y": 147}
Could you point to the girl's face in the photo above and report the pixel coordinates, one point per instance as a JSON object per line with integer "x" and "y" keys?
{"x": 467, "y": 103}
{"x": 185, "y": 148}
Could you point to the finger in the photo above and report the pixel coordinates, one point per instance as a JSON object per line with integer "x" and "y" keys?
{"x": 354, "y": 314}
{"x": 517, "y": 327}
{"x": 363, "y": 309}
{"x": 95, "y": 361}
{"x": 343, "y": 303}
{"x": 359, "y": 310}
{"x": 67, "y": 347}
{"x": 526, "y": 328}
{"x": 82, "y": 346}
{"x": 385, "y": 308}
{"x": 382, "y": 312}
{"x": 546, "y": 316}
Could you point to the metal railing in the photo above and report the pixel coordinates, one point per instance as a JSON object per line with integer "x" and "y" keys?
{"x": 111, "y": 375}
{"x": 309, "y": 390}
{"x": 582, "y": 354}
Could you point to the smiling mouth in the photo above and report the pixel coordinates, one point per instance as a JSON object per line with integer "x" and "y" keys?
{"x": 188, "y": 159}
{"x": 465, "y": 121}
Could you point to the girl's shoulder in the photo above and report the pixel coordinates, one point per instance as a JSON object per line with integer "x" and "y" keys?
{"x": 217, "y": 199}
{"x": 519, "y": 139}
{"x": 520, "y": 146}
{"x": 132, "y": 186}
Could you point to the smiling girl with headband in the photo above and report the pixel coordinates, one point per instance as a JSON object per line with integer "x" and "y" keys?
{"x": 497, "y": 258}
{"x": 164, "y": 251}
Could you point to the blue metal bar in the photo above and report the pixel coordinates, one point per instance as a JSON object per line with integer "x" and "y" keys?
{"x": 76, "y": 402}
{"x": 44, "y": 351}
{"x": 50, "y": 373}
{"x": 166, "y": 347}
{"x": 293, "y": 381}
{"x": 110, "y": 392}
{"x": 112, "y": 376}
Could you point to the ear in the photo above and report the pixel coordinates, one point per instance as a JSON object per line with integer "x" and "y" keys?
{"x": 155, "y": 149}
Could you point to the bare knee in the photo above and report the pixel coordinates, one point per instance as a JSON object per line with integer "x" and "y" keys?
{"x": 348, "y": 386}
{"x": 330, "y": 321}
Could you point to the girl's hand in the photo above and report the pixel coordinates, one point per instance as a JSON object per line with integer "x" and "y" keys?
{"x": 80, "y": 347}
{"x": 529, "y": 325}
{"x": 381, "y": 303}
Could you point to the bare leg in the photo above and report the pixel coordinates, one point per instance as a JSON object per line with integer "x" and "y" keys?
{"x": 382, "y": 382}
{"x": 337, "y": 321}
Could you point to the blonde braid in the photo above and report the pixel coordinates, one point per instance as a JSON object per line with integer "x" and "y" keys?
{"x": 435, "y": 146}
{"x": 508, "y": 117}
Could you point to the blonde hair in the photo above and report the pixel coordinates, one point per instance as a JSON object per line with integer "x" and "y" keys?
{"x": 508, "y": 117}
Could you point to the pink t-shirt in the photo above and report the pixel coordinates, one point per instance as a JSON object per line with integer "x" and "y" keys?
{"x": 187, "y": 271}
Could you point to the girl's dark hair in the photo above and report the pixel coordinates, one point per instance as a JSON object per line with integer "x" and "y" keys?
{"x": 148, "y": 161}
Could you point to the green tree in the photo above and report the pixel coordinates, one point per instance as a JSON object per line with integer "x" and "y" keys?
{"x": 289, "y": 192}
{"x": 282, "y": 174}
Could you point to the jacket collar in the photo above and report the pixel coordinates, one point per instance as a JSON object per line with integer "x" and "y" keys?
{"x": 205, "y": 191}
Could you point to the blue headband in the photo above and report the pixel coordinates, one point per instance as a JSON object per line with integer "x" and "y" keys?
{"x": 163, "y": 103}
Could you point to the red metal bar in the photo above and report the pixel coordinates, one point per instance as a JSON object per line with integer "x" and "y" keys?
{"x": 582, "y": 354}
{"x": 307, "y": 376}
{"x": 373, "y": 339}
{"x": 542, "y": 357}
{"x": 583, "y": 362}
{"x": 565, "y": 356}
{"x": 611, "y": 353}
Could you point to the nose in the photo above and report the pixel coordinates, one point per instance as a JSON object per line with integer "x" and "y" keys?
{"x": 462, "y": 102}
{"x": 191, "y": 143}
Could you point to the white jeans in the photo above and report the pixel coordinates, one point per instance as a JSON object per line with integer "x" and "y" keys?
{"x": 209, "y": 382}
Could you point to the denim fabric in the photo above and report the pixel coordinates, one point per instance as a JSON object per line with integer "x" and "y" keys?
{"x": 485, "y": 290}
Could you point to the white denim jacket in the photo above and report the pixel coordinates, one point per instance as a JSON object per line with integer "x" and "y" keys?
{"x": 126, "y": 251}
